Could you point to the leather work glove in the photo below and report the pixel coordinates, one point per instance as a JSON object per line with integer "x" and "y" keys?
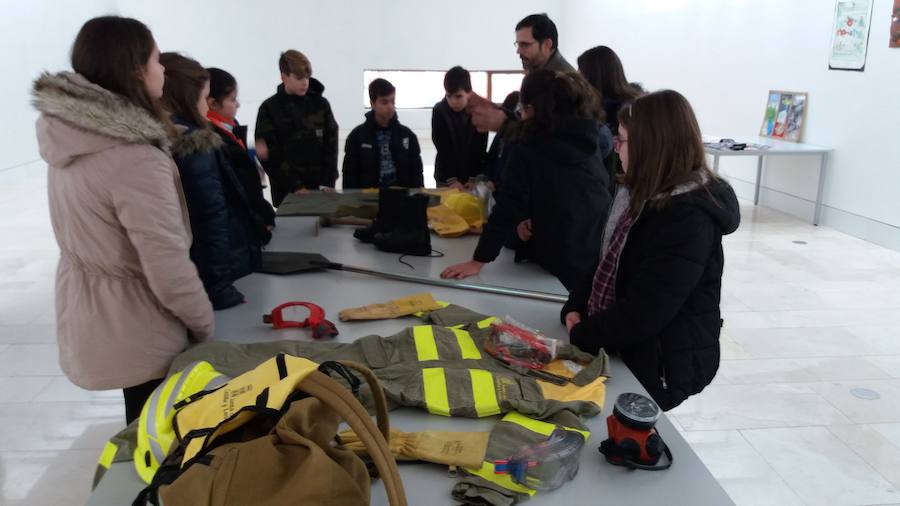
{"x": 392, "y": 309}
{"x": 460, "y": 449}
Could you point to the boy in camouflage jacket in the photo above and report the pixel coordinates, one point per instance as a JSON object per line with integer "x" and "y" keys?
{"x": 296, "y": 134}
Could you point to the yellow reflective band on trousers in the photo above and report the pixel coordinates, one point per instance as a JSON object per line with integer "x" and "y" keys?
{"x": 484, "y": 393}
{"x": 435, "y": 385}
{"x": 539, "y": 426}
{"x": 109, "y": 452}
{"x": 483, "y": 324}
{"x": 426, "y": 345}
{"x": 467, "y": 348}
{"x": 426, "y": 348}
{"x": 503, "y": 480}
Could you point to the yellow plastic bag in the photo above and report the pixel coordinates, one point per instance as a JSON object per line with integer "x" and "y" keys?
{"x": 466, "y": 205}
{"x": 445, "y": 222}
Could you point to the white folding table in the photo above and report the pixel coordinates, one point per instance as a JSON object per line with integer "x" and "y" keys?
{"x": 774, "y": 147}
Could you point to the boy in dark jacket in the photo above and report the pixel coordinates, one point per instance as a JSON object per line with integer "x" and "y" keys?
{"x": 381, "y": 152}
{"x": 296, "y": 134}
{"x": 460, "y": 148}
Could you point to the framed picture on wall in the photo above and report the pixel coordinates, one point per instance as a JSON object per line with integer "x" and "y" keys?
{"x": 784, "y": 115}
{"x": 895, "y": 25}
{"x": 850, "y": 35}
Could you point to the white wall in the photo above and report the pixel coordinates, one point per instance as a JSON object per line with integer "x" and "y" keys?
{"x": 34, "y": 36}
{"x": 341, "y": 38}
{"x": 725, "y": 56}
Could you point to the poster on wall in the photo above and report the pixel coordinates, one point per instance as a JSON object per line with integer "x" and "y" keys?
{"x": 895, "y": 25}
{"x": 784, "y": 115}
{"x": 850, "y": 35}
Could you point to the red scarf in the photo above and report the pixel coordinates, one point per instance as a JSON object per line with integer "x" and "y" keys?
{"x": 226, "y": 125}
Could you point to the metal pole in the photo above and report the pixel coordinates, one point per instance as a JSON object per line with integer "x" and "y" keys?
{"x": 513, "y": 292}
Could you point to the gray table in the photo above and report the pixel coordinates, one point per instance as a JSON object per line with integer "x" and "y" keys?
{"x": 775, "y": 147}
{"x": 688, "y": 482}
{"x": 338, "y": 245}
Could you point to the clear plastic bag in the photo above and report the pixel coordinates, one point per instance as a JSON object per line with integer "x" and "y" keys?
{"x": 547, "y": 465}
{"x": 519, "y": 345}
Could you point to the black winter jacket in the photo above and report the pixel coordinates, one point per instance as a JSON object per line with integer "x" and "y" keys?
{"x": 362, "y": 161}
{"x": 665, "y": 320}
{"x": 245, "y": 168}
{"x": 559, "y": 182}
{"x": 461, "y": 150}
{"x": 225, "y": 246}
{"x": 302, "y": 137}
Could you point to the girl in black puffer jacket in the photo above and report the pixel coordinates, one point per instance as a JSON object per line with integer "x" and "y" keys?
{"x": 223, "y": 106}
{"x": 226, "y": 243}
{"x": 654, "y": 296}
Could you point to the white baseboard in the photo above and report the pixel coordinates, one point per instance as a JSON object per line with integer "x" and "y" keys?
{"x": 867, "y": 229}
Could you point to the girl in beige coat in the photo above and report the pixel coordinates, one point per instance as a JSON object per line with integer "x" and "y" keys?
{"x": 128, "y": 298}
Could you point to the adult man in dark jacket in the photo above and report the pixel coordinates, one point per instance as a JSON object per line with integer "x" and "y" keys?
{"x": 296, "y": 134}
{"x": 537, "y": 44}
{"x": 381, "y": 152}
{"x": 665, "y": 319}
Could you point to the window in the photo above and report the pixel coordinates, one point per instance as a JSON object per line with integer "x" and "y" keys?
{"x": 421, "y": 89}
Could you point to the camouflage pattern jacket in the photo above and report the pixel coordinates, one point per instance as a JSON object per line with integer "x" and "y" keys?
{"x": 302, "y": 137}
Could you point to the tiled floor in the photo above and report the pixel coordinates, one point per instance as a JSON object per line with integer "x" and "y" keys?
{"x": 812, "y": 333}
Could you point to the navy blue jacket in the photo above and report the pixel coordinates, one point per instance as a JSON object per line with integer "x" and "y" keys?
{"x": 225, "y": 246}
{"x": 362, "y": 161}
{"x": 244, "y": 167}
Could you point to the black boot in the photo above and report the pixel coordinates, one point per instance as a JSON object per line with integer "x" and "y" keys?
{"x": 390, "y": 212}
{"x": 411, "y": 236}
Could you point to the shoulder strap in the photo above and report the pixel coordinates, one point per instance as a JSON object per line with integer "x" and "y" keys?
{"x": 375, "y": 438}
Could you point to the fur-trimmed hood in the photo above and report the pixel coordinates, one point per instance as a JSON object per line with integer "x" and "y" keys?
{"x": 192, "y": 140}
{"x": 81, "y": 118}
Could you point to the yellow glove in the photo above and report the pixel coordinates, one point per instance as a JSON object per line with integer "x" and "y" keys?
{"x": 461, "y": 449}
{"x": 391, "y": 309}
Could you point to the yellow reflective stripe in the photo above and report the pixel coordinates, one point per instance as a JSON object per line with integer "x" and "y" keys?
{"x": 426, "y": 348}
{"x": 539, "y": 426}
{"x": 484, "y": 393}
{"x": 503, "y": 480}
{"x": 467, "y": 348}
{"x": 109, "y": 452}
{"x": 483, "y": 324}
{"x": 435, "y": 385}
